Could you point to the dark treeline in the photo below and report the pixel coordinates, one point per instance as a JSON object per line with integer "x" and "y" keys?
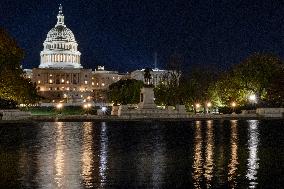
{"x": 261, "y": 75}
{"x": 14, "y": 87}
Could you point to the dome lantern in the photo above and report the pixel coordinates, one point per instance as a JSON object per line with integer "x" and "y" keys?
{"x": 60, "y": 17}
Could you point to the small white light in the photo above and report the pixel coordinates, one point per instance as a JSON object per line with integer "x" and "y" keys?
{"x": 252, "y": 97}
{"x": 104, "y": 109}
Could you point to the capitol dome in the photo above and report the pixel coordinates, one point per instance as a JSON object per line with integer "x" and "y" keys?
{"x": 60, "y": 33}
{"x": 60, "y": 47}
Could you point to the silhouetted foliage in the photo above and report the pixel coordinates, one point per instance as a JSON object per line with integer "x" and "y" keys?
{"x": 13, "y": 86}
{"x": 125, "y": 91}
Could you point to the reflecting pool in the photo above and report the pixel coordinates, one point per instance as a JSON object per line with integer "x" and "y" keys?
{"x": 150, "y": 154}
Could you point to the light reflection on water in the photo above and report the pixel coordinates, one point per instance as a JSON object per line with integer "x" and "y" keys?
{"x": 87, "y": 155}
{"x": 233, "y": 165}
{"x": 103, "y": 154}
{"x": 198, "y": 160}
{"x": 158, "y": 162}
{"x": 59, "y": 155}
{"x": 208, "y": 154}
{"x": 253, "y": 159}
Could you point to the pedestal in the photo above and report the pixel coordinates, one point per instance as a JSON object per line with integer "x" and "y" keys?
{"x": 147, "y": 98}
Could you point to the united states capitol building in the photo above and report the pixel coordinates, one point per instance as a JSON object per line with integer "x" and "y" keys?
{"x": 60, "y": 76}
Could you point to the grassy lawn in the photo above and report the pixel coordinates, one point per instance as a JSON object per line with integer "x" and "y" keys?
{"x": 68, "y": 110}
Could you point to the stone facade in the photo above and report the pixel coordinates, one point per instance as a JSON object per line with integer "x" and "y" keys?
{"x": 102, "y": 79}
{"x": 157, "y": 75}
{"x": 63, "y": 84}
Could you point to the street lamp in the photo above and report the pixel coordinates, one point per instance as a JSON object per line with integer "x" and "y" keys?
{"x": 252, "y": 99}
{"x": 233, "y": 104}
{"x": 59, "y": 106}
{"x": 87, "y": 107}
{"x": 208, "y": 106}
{"x": 104, "y": 109}
{"x": 197, "y": 106}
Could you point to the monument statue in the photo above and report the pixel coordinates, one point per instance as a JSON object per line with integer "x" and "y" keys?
{"x": 147, "y": 76}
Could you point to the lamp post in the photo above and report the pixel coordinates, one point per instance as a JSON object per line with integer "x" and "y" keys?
{"x": 104, "y": 109}
{"x": 197, "y": 106}
{"x": 87, "y": 107}
{"x": 208, "y": 105}
{"x": 233, "y": 104}
{"x": 59, "y": 106}
{"x": 252, "y": 99}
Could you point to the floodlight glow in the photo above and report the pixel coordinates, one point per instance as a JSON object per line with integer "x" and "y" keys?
{"x": 59, "y": 106}
{"x": 252, "y": 98}
{"x": 234, "y": 104}
{"x": 209, "y": 104}
{"x": 197, "y": 105}
{"x": 104, "y": 109}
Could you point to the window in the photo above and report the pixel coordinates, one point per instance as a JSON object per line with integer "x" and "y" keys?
{"x": 38, "y": 74}
{"x": 38, "y": 81}
{"x": 86, "y": 82}
{"x": 103, "y": 84}
{"x": 50, "y": 81}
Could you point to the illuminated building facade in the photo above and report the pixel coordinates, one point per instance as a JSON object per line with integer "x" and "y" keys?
{"x": 60, "y": 76}
{"x": 157, "y": 75}
{"x": 101, "y": 80}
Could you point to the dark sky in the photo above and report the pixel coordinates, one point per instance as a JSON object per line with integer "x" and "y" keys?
{"x": 124, "y": 34}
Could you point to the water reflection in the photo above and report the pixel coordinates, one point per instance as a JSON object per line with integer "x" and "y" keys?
{"x": 158, "y": 163}
{"x": 59, "y": 155}
{"x": 253, "y": 159}
{"x": 87, "y": 155}
{"x": 198, "y": 160}
{"x": 217, "y": 154}
{"x": 103, "y": 154}
{"x": 232, "y": 173}
{"x": 209, "y": 153}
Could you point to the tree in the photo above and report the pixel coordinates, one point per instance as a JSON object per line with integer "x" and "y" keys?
{"x": 168, "y": 92}
{"x": 13, "y": 85}
{"x": 275, "y": 90}
{"x": 252, "y": 76}
{"x": 125, "y": 91}
{"x": 256, "y": 72}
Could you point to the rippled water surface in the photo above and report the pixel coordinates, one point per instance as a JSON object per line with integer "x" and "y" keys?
{"x": 197, "y": 154}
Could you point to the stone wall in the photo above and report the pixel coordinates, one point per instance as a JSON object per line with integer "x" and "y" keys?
{"x": 270, "y": 112}
{"x": 14, "y": 115}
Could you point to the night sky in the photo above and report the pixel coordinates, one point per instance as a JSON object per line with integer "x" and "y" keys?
{"x": 123, "y": 35}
